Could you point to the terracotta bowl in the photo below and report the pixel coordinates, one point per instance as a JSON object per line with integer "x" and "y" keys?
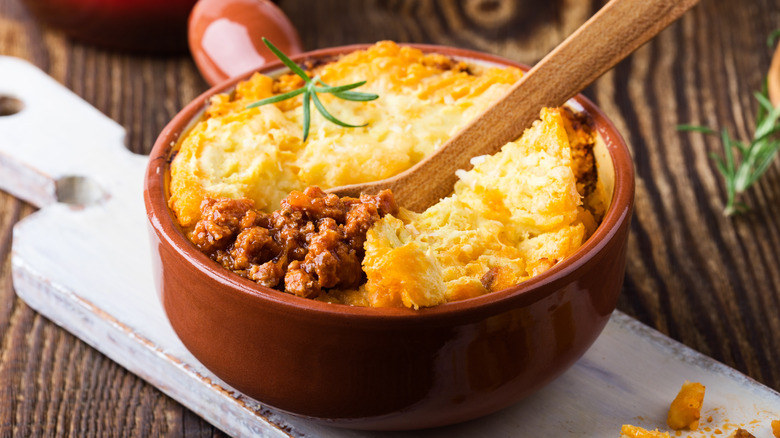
{"x": 389, "y": 368}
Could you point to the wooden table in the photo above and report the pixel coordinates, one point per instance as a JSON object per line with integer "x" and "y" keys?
{"x": 709, "y": 281}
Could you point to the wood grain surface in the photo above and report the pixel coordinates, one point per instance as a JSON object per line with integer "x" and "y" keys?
{"x": 709, "y": 281}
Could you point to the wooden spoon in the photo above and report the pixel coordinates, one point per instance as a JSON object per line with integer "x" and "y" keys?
{"x": 773, "y": 79}
{"x": 618, "y": 29}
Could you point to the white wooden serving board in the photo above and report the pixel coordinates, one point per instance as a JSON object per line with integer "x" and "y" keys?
{"x": 83, "y": 262}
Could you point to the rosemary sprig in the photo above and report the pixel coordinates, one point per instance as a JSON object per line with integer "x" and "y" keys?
{"x": 743, "y": 164}
{"x": 310, "y": 91}
{"x": 770, "y": 41}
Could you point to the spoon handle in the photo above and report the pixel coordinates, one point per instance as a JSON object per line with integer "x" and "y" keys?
{"x": 618, "y": 29}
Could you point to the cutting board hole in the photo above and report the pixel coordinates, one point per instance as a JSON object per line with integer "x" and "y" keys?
{"x": 10, "y": 105}
{"x": 79, "y": 191}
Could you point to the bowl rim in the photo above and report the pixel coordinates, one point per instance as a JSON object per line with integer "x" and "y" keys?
{"x": 162, "y": 221}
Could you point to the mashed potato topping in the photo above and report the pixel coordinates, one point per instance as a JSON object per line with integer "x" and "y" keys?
{"x": 513, "y": 216}
{"x": 259, "y": 153}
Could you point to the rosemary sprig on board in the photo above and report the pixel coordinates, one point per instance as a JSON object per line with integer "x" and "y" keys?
{"x": 742, "y": 164}
{"x": 310, "y": 91}
{"x": 770, "y": 41}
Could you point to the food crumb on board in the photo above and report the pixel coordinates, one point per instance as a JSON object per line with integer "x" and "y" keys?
{"x": 742, "y": 433}
{"x": 685, "y": 410}
{"x": 629, "y": 431}
{"x": 685, "y": 413}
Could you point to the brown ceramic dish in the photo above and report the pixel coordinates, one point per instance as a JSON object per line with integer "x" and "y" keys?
{"x": 389, "y": 368}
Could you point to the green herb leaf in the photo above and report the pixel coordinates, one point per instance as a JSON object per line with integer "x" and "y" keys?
{"x": 694, "y": 128}
{"x": 295, "y": 68}
{"x": 339, "y": 88}
{"x": 306, "y": 115}
{"x": 277, "y": 98}
{"x": 772, "y": 37}
{"x": 321, "y": 108}
{"x": 342, "y": 91}
{"x": 743, "y": 169}
{"x": 356, "y": 96}
{"x": 310, "y": 90}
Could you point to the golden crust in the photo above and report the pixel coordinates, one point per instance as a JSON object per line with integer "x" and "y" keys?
{"x": 259, "y": 153}
{"x": 513, "y": 216}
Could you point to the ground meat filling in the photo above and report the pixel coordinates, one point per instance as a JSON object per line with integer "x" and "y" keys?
{"x": 581, "y": 131}
{"x": 313, "y": 242}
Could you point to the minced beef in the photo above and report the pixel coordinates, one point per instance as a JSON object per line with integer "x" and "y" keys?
{"x": 313, "y": 242}
{"x": 581, "y": 131}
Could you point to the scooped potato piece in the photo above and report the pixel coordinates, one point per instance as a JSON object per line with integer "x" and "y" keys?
{"x": 776, "y": 428}
{"x": 629, "y": 431}
{"x": 686, "y": 407}
{"x": 400, "y": 271}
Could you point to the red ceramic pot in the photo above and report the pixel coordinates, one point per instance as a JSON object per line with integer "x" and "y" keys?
{"x": 389, "y": 368}
{"x": 156, "y": 26}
